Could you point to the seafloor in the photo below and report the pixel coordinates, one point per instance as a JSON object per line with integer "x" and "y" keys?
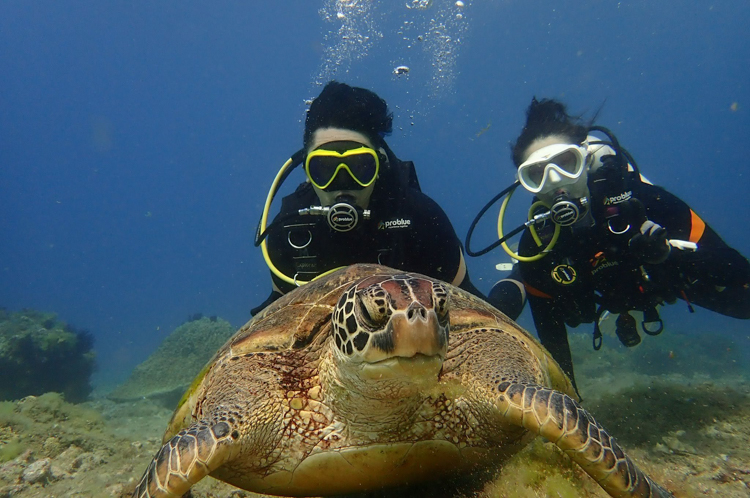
{"x": 680, "y": 408}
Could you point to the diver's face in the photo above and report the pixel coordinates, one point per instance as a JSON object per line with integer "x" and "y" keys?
{"x": 343, "y": 188}
{"x": 555, "y": 183}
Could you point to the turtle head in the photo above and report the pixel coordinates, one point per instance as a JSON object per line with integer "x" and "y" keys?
{"x": 392, "y": 327}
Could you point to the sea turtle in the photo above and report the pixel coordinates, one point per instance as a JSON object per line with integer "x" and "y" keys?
{"x": 371, "y": 378}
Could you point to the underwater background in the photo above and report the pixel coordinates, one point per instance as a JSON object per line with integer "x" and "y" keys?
{"x": 138, "y": 140}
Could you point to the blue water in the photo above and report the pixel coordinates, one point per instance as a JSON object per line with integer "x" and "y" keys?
{"x": 138, "y": 140}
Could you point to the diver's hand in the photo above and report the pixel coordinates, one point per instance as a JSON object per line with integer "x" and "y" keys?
{"x": 651, "y": 245}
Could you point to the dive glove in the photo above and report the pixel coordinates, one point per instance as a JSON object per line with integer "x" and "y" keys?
{"x": 650, "y": 245}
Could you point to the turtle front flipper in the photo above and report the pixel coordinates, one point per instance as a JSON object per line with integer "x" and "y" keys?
{"x": 560, "y": 419}
{"x": 186, "y": 459}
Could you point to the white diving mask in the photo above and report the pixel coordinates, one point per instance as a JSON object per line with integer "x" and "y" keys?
{"x": 553, "y": 166}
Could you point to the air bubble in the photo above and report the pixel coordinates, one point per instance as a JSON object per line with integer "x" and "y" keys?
{"x": 400, "y": 70}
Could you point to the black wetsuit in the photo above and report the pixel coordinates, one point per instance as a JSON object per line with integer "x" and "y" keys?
{"x": 593, "y": 270}
{"x": 407, "y": 230}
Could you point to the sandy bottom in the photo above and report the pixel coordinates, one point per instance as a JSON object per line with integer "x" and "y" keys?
{"x": 687, "y": 427}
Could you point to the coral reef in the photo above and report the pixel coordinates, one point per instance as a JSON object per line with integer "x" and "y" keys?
{"x": 39, "y": 353}
{"x": 167, "y": 373}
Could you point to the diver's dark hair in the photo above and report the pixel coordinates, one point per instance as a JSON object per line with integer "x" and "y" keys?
{"x": 342, "y": 106}
{"x": 544, "y": 118}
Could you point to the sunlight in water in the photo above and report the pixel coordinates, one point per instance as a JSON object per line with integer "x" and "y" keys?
{"x": 427, "y": 35}
{"x": 350, "y": 38}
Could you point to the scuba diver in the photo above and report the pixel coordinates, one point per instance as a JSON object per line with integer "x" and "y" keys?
{"x": 359, "y": 203}
{"x": 602, "y": 239}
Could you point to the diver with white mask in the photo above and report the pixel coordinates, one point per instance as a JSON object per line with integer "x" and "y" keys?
{"x": 601, "y": 239}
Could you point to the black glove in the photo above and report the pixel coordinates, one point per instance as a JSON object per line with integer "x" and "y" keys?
{"x": 651, "y": 245}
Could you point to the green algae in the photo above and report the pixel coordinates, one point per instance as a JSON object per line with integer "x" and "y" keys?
{"x": 10, "y": 450}
{"x": 541, "y": 469}
{"x": 171, "y": 369}
{"x": 39, "y": 353}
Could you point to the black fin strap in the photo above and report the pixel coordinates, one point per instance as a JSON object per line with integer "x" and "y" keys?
{"x": 659, "y": 329}
{"x": 651, "y": 316}
{"x": 597, "y": 340}
{"x": 653, "y": 332}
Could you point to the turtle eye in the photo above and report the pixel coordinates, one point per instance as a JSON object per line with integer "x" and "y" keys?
{"x": 441, "y": 301}
{"x": 372, "y": 308}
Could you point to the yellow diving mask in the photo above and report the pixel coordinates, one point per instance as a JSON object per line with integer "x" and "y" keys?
{"x": 323, "y": 165}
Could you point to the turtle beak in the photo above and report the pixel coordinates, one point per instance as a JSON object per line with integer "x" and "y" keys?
{"x": 415, "y": 331}
{"x": 413, "y": 346}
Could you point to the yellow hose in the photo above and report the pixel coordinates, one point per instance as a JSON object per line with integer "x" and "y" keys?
{"x": 516, "y": 256}
{"x": 264, "y": 220}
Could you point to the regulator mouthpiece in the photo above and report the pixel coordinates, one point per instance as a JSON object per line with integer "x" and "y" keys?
{"x": 566, "y": 211}
{"x": 341, "y": 217}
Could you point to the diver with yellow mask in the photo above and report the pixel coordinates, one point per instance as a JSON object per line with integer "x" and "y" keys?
{"x": 601, "y": 239}
{"x": 358, "y": 204}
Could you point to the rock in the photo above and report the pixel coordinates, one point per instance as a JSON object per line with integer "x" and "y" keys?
{"x": 87, "y": 461}
{"x": 116, "y": 490}
{"x": 64, "y": 461}
{"x": 13, "y": 470}
{"x": 673, "y": 443}
{"x": 11, "y": 490}
{"x": 52, "y": 446}
{"x": 37, "y": 472}
{"x": 25, "y": 457}
{"x": 57, "y": 473}
{"x": 660, "y": 448}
